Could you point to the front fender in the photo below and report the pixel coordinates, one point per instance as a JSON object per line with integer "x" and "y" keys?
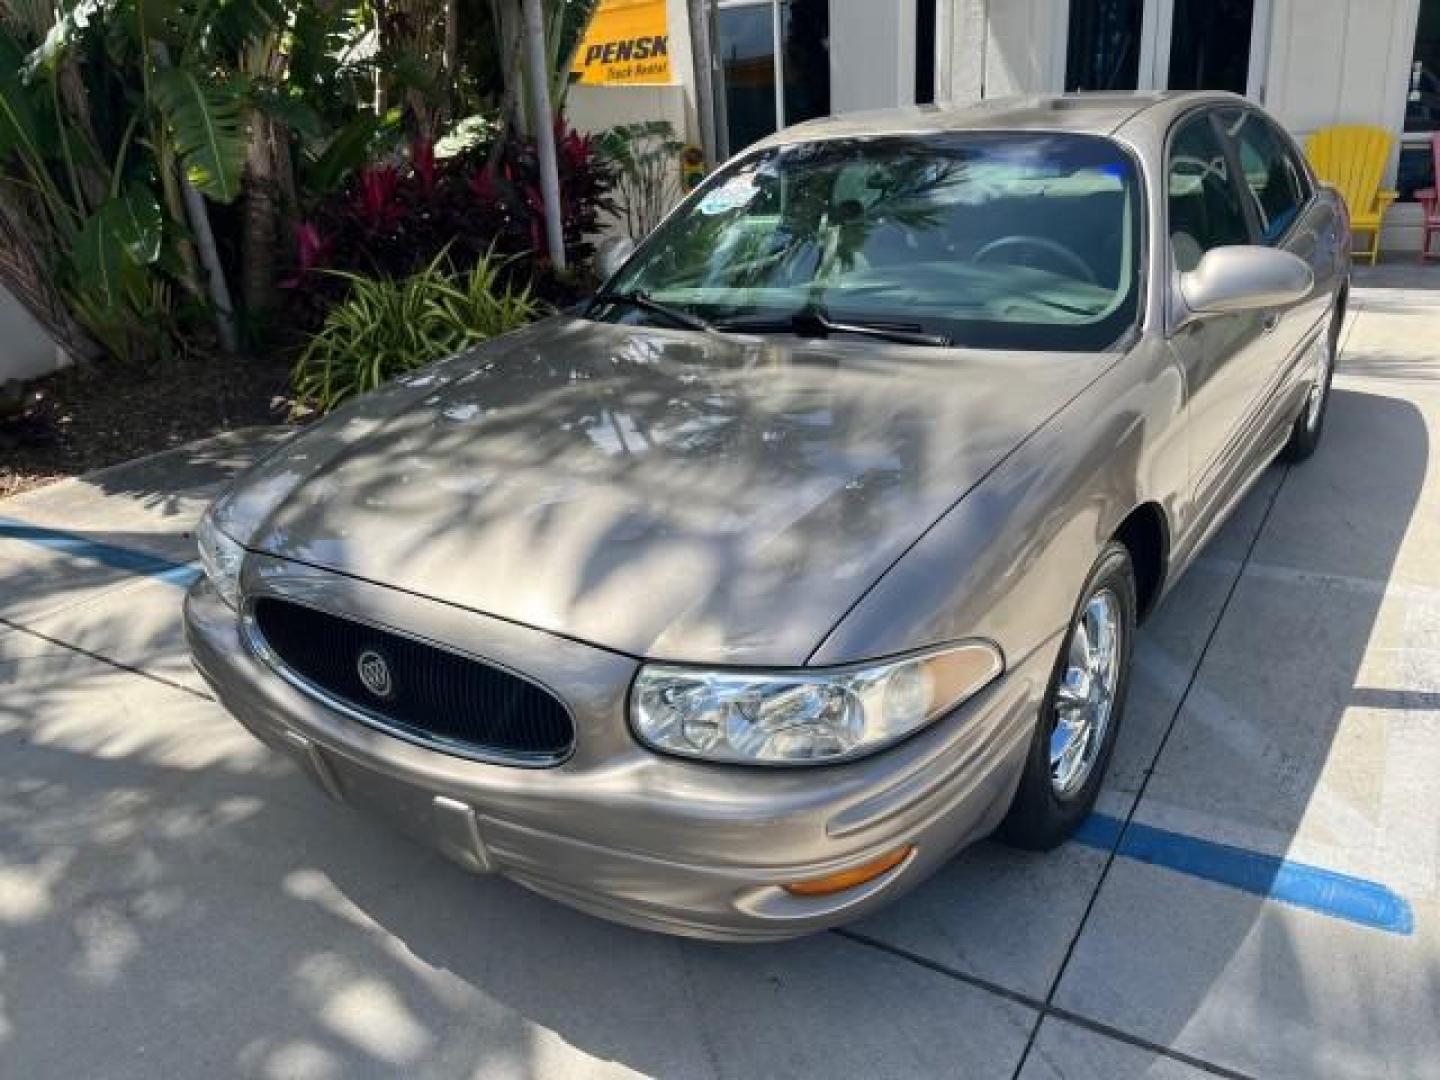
{"x": 1007, "y": 562}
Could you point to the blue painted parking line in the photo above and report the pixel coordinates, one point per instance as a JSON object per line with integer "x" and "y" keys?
{"x": 1340, "y": 896}
{"x": 119, "y": 558}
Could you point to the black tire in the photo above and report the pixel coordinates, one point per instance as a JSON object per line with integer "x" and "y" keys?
{"x": 1310, "y": 424}
{"x": 1041, "y": 818}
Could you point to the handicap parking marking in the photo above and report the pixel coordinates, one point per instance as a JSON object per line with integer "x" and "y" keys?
{"x": 1394, "y": 834}
{"x": 126, "y": 560}
{"x": 1314, "y": 888}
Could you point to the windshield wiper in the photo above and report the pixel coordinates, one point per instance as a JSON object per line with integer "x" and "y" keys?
{"x": 645, "y": 302}
{"x": 814, "y": 321}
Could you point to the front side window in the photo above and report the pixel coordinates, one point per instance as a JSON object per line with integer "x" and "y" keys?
{"x": 1203, "y": 201}
{"x": 1273, "y": 177}
{"x": 990, "y": 240}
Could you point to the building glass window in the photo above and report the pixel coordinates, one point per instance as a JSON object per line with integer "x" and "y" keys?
{"x": 775, "y": 65}
{"x": 1164, "y": 44}
{"x": 805, "y": 31}
{"x": 747, "y": 58}
{"x": 1210, "y": 45}
{"x": 1103, "y": 49}
{"x": 1422, "y": 105}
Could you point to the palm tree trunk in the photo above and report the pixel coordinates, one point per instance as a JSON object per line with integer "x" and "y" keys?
{"x": 262, "y": 218}
{"x": 510, "y": 118}
{"x": 265, "y": 59}
{"x": 511, "y": 44}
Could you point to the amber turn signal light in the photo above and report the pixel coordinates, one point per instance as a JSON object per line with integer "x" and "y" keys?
{"x": 856, "y": 875}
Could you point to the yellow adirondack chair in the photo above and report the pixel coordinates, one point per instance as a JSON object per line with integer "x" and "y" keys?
{"x": 1353, "y": 159}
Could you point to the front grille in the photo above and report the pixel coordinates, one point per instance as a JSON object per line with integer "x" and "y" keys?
{"x": 418, "y": 691}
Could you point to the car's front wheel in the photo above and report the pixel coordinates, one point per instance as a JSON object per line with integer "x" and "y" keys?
{"x": 1081, "y": 712}
{"x": 1305, "y": 435}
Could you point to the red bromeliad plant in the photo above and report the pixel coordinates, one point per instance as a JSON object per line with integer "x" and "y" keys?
{"x": 393, "y": 220}
{"x": 312, "y": 252}
{"x": 374, "y": 201}
{"x": 422, "y": 161}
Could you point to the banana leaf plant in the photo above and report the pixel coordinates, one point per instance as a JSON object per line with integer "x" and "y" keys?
{"x": 119, "y": 122}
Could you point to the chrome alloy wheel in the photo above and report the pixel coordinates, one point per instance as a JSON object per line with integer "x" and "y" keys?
{"x": 1315, "y": 404}
{"x": 1085, "y": 697}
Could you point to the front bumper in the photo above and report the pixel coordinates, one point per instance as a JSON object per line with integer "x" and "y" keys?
{"x": 618, "y": 831}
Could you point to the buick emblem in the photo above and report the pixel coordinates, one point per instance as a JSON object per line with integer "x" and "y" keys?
{"x": 374, "y": 671}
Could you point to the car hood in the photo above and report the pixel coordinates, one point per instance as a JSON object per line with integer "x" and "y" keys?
{"x": 672, "y": 495}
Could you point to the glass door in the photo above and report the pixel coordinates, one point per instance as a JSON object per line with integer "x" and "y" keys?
{"x": 1210, "y": 45}
{"x": 1167, "y": 45}
{"x": 774, "y": 67}
{"x": 1104, "y": 45}
{"x": 745, "y": 40}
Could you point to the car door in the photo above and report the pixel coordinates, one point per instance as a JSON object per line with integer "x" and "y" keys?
{"x": 1288, "y": 217}
{"x": 1229, "y": 360}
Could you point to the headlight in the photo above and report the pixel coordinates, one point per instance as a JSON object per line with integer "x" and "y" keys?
{"x": 803, "y": 716}
{"x": 222, "y": 557}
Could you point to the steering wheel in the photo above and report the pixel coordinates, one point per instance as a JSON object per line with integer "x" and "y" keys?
{"x": 1043, "y": 243}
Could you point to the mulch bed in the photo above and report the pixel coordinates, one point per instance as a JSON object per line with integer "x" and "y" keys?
{"x": 93, "y": 415}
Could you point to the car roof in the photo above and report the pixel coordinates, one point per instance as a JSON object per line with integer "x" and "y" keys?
{"x": 1090, "y": 113}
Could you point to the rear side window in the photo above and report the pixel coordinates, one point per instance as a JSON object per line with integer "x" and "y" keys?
{"x": 1202, "y": 197}
{"x": 1274, "y": 178}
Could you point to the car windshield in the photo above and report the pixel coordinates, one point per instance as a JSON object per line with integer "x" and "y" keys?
{"x": 989, "y": 240}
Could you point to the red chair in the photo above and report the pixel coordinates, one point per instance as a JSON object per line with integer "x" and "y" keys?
{"x": 1429, "y": 200}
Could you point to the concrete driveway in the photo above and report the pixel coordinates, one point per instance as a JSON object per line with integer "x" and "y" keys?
{"x": 1256, "y": 897}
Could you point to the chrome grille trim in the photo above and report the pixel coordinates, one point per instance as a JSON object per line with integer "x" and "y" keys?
{"x": 255, "y": 641}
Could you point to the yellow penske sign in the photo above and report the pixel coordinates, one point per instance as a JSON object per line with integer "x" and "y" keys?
{"x": 627, "y": 44}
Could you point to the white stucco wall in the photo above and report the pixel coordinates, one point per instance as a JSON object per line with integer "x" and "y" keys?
{"x": 1000, "y": 47}
{"x": 1340, "y": 62}
{"x": 595, "y": 108}
{"x": 25, "y": 350}
{"x": 1327, "y": 62}
{"x": 872, "y": 54}
{"x": 1345, "y": 62}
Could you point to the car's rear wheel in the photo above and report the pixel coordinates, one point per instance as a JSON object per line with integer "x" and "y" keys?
{"x": 1305, "y": 435}
{"x": 1080, "y": 716}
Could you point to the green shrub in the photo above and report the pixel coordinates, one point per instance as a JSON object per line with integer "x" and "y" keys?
{"x": 646, "y": 162}
{"x": 386, "y": 327}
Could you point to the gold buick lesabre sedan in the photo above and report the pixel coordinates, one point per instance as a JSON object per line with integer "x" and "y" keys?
{"x": 813, "y": 547}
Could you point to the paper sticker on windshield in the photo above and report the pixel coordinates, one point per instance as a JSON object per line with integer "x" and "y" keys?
{"x": 731, "y": 195}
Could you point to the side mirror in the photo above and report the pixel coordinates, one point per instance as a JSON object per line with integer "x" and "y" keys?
{"x": 611, "y": 255}
{"x": 1245, "y": 278}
